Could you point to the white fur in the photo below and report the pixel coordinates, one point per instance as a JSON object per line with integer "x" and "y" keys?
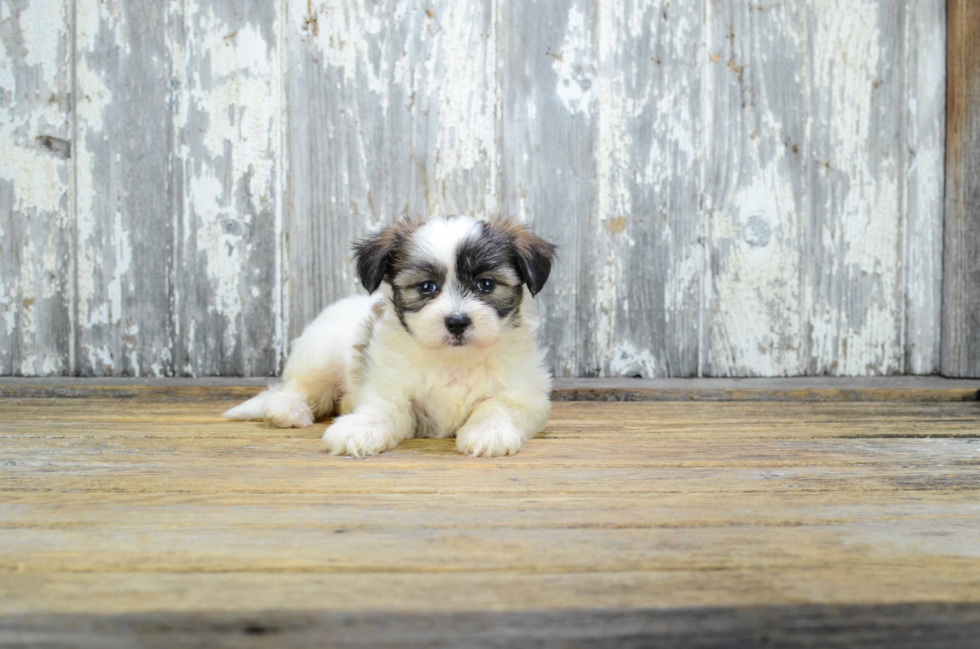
{"x": 491, "y": 393}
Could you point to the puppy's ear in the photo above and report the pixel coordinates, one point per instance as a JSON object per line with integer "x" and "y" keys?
{"x": 532, "y": 254}
{"x": 375, "y": 255}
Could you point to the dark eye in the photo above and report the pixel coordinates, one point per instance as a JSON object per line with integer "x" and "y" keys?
{"x": 485, "y": 285}
{"x": 427, "y": 288}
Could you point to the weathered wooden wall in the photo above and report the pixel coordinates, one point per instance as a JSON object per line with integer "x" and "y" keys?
{"x": 738, "y": 187}
{"x": 961, "y": 286}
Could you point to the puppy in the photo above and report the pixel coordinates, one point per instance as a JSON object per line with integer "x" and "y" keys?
{"x": 443, "y": 346}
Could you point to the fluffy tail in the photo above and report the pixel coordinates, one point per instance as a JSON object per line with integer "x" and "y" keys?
{"x": 281, "y": 407}
{"x": 254, "y": 408}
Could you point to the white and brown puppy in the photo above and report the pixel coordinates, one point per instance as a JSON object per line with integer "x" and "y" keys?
{"x": 446, "y": 348}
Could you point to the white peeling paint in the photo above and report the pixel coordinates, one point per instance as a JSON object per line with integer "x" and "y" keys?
{"x": 574, "y": 64}
{"x": 34, "y": 175}
{"x": 612, "y": 164}
{"x": 466, "y": 137}
{"x": 28, "y": 320}
{"x": 925, "y": 35}
{"x": 865, "y": 227}
{"x": 94, "y": 98}
{"x": 341, "y": 32}
{"x": 229, "y": 115}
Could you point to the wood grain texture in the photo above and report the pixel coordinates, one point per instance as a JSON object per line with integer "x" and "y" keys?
{"x": 126, "y": 200}
{"x": 548, "y": 163}
{"x": 35, "y": 180}
{"x": 899, "y": 626}
{"x": 736, "y": 188}
{"x": 911, "y": 389}
{"x": 228, "y": 267}
{"x": 392, "y": 113}
{"x": 852, "y": 289}
{"x": 336, "y": 83}
{"x": 756, "y": 150}
{"x": 604, "y": 100}
{"x": 647, "y": 222}
{"x": 925, "y": 61}
{"x": 150, "y": 515}
{"x": 961, "y": 279}
{"x": 855, "y": 295}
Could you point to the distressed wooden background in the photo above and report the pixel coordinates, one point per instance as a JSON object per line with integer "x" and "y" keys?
{"x": 738, "y": 188}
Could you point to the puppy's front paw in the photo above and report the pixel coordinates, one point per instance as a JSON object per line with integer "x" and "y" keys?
{"x": 489, "y": 438}
{"x": 288, "y": 410}
{"x": 358, "y": 436}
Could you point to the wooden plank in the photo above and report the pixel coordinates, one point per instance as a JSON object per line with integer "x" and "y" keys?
{"x": 839, "y": 447}
{"x": 228, "y": 266}
{"x": 900, "y": 626}
{"x": 373, "y": 512}
{"x": 605, "y": 101}
{"x": 961, "y": 261}
{"x": 758, "y": 144}
{"x": 441, "y": 111}
{"x": 876, "y": 448}
{"x": 126, "y": 197}
{"x": 125, "y": 517}
{"x": 469, "y": 548}
{"x": 809, "y": 389}
{"x": 337, "y": 88}
{"x": 32, "y": 595}
{"x": 925, "y": 63}
{"x": 35, "y": 176}
{"x": 32, "y": 418}
{"x": 549, "y": 72}
{"x": 854, "y": 287}
{"x": 645, "y": 232}
{"x": 93, "y": 478}
{"x": 378, "y": 131}
{"x": 156, "y": 389}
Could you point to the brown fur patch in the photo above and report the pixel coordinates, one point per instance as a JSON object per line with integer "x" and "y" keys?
{"x": 533, "y": 254}
{"x": 376, "y": 257}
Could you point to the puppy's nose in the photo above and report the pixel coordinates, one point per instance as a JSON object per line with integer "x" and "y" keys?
{"x": 457, "y": 323}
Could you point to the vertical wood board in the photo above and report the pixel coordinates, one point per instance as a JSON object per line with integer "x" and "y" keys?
{"x": 35, "y": 179}
{"x": 647, "y": 225}
{"x": 925, "y": 60}
{"x": 855, "y": 291}
{"x": 227, "y": 267}
{"x": 961, "y": 278}
{"x": 126, "y": 199}
{"x": 549, "y": 71}
{"x": 756, "y": 189}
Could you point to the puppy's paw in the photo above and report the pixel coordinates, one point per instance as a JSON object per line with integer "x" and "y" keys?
{"x": 489, "y": 438}
{"x": 358, "y": 435}
{"x": 288, "y": 410}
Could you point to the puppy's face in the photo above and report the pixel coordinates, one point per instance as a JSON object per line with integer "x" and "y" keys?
{"x": 455, "y": 281}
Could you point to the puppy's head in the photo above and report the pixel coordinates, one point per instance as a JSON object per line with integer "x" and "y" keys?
{"x": 455, "y": 281}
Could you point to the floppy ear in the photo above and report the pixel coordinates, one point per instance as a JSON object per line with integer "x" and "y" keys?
{"x": 533, "y": 256}
{"x": 374, "y": 256}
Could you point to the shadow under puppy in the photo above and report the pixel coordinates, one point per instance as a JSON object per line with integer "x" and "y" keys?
{"x": 446, "y": 347}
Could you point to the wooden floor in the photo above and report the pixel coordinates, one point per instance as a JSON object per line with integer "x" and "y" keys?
{"x": 673, "y": 523}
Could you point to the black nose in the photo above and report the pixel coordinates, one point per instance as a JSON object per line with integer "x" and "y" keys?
{"x": 457, "y": 323}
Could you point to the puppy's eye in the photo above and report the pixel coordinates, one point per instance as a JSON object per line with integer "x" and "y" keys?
{"x": 427, "y": 288}
{"x": 485, "y": 285}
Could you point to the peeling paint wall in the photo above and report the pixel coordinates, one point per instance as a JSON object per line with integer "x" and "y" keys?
{"x": 35, "y": 178}
{"x": 738, "y": 188}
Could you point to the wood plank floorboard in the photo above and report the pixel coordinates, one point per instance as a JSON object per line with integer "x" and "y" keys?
{"x": 151, "y": 521}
